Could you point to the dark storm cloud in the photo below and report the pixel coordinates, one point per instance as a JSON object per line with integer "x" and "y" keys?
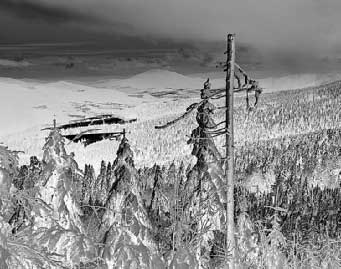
{"x": 35, "y": 10}
{"x": 304, "y": 27}
{"x": 54, "y": 21}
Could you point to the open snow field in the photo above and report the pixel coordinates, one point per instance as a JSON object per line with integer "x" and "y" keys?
{"x": 27, "y": 106}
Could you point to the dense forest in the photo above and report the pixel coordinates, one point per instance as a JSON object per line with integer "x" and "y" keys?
{"x": 54, "y": 214}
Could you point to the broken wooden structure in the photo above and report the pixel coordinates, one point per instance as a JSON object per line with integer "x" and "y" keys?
{"x": 91, "y": 121}
{"x": 90, "y": 136}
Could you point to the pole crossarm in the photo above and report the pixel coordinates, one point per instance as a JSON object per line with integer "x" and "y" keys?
{"x": 242, "y": 71}
{"x": 250, "y": 84}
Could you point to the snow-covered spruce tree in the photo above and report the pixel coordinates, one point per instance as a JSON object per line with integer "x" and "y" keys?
{"x": 171, "y": 174}
{"x": 60, "y": 228}
{"x": 155, "y": 202}
{"x": 205, "y": 182}
{"x": 275, "y": 241}
{"x": 247, "y": 240}
{"x": 181, "y": 176}
{"x": 29, "y": 175}
{"x": 108, "y": 178}
{"x": 19, "y": 247}
{"x": 180, "y": 198}
{"x": 18, "y": 181}
{"x": 127, "y": 240}
{"x": 87, "y": 186}
{"x": 34, "y": 174}
{"x": 161, "y": 207}
{"x": 25, "y": 181}
{"x": 100, "y": 186}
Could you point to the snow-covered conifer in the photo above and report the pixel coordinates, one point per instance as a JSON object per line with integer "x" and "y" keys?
{"x": 18, "y": 245}
{"x": 60, "y": 227}
{"x": 127, "y": 240}
{"x": 205, "y": 183}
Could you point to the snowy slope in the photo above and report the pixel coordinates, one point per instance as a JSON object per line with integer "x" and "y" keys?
{"x": 292, "y": 82}
{"x": 26, "y": 107}
{"x": 27, "y": 104}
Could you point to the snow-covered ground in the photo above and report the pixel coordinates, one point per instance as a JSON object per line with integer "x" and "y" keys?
{"x": 28, "y": 106}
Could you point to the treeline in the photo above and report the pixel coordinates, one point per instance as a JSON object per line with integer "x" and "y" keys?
{"x": 53, "y": 216}
{"x": 173, "y": 200}
{"x": 302, "y": 209}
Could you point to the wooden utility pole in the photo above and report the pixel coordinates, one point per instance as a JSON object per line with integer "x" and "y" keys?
{"x": 232, "y": 70}
{"x": 229, "y": 165}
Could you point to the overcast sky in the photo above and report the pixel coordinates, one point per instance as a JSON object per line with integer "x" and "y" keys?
{"x": 302, "y": 26}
